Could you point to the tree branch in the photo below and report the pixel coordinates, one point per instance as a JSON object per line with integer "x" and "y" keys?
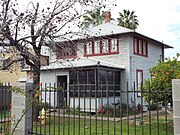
{"x": 6, "y": 11}
{"x": 33, "y": 38}
{"x": 12, "y": 62}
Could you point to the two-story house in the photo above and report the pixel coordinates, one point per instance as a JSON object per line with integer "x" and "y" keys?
{"x": 103, "y": 62}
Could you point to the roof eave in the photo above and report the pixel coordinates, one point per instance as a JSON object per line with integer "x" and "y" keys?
{"x": 153, "y": 40}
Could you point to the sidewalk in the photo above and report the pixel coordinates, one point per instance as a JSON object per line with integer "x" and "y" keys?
{"x": 117, "y": 119}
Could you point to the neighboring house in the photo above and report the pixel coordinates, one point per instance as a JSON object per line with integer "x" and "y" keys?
{"x": 110, "y": 54}
{"x": 13, "y": 73}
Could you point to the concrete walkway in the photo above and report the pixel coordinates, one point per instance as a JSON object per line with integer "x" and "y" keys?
{"x": 117, "y": 119}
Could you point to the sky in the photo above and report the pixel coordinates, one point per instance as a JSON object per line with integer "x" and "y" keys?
{"x": 158, "y": 19}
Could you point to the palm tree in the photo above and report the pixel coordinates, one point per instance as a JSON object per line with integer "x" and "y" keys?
{"x": 93, "y": 18}
{"x": 127, "y": 19}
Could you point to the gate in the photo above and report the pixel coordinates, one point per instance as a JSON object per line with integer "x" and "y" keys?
{"x": 106, "y": 109}
{"x": 5, "y": 106}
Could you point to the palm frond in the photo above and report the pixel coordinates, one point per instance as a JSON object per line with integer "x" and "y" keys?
{"x": 127, "y": 19}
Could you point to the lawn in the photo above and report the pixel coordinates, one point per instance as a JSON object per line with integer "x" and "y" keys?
{"x": 4, "y": 114}
{"x": 3, "y": 122}
{"x": 74, "y": 126}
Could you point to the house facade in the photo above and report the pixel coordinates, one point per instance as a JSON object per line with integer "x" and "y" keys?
{"x": 12, "y": 73}
{"x": 111, "y": 55}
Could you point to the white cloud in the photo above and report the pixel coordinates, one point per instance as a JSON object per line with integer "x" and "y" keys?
{"x": 158, "y": 19}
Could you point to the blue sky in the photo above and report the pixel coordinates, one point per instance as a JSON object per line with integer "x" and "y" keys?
{"x": 158, "y": 19}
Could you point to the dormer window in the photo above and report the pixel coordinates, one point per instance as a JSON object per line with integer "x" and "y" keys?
{"x": 101, "y": 47}
{"x": 140, "y": 47}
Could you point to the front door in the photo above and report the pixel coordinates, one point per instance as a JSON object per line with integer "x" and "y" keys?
{"x": 62, "y": 93}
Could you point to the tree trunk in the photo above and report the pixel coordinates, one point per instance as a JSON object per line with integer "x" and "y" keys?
{"x": 36, "y": 82}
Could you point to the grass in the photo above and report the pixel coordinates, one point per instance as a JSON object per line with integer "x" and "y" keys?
{"x": 73, "y": 126}
{"x": 4, "y": 114}
{"x": 4, "y": 125}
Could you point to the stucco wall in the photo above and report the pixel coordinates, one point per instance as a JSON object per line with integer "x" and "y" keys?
{"x": 7, "y": 76}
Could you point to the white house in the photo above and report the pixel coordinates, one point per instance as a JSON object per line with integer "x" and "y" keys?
{"x": 109, "y": 54}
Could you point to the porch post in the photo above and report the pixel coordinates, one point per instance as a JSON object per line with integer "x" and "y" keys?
{"x": 176, "y": 105}
{"x": 22, "y": 122}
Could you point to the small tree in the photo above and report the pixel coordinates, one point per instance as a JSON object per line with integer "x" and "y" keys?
{"x": 161, "y": 79}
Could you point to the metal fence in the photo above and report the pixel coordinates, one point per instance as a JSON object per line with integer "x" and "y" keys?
{"x": 92, "y": 110}
{"x": 5, "y": 107}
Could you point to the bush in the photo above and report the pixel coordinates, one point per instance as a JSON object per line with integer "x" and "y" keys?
{"x": 119, "y": 111}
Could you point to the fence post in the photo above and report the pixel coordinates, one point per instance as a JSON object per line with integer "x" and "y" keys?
{"x": 21, "y": 102}
{"x": 176, "y": 105}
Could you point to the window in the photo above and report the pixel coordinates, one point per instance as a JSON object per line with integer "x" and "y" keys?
{"x": 109, "y": 81}
{"x": 89, "y": 47}
{"x": 83, "y": 81}
{"x": 113, "y": 45}
{"x": 105, "y": 45}
{"x": 135, "y": 46}
{"x": 101, "y": 47}
{"x": 66, "y": 51}
{"x": 102, "y": 76}
{"x": 97, "y": 46}
{"x": 82, "y": 76}
{"x": 139, "y": 80}
{"x": 145, "y": 48}
{"x": 140, "y": 47}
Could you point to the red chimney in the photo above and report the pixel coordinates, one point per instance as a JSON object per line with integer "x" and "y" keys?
{"x": 107, "y": 16}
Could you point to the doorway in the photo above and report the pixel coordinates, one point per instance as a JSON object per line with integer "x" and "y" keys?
{"x": 62, "y": 93}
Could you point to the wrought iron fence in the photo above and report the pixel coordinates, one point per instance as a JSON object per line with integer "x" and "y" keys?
{"x": 5, "y": 108}
{"x": 106, "y": 109}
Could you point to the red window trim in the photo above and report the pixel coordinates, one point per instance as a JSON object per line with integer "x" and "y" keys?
{"x": 69, "y": 56}
{"x": 101, "y": 53}
{"x": 138, "y": 70}
{"x": 138, "y": 47}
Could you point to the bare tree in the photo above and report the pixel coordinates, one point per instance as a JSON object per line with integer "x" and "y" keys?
{"x": 27, "y": 31}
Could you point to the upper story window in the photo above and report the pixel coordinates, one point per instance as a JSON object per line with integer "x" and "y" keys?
{"x": 113, "y": 45}
{"x": 97, "y": 46}
{"x": 105, "y": 46}
{"x": 66, "y": 51}
{"x": 140, "y": 47}
{"x": 89, "y": 47}
{"x": 101, "y": 47}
